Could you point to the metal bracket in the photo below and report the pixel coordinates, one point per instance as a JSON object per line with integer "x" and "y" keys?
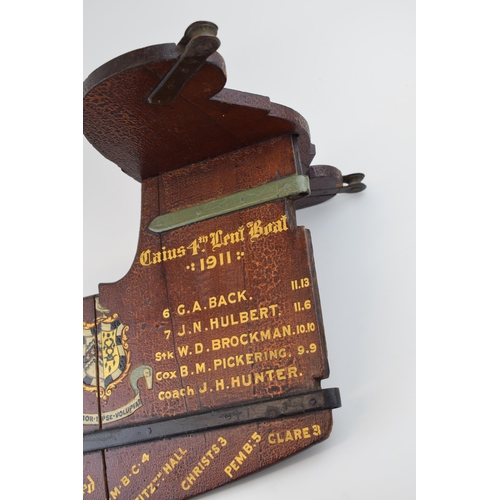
{"x": 199, "y": 42}
{"x": 352, "y": 183}
{"x": 325, "y": 399}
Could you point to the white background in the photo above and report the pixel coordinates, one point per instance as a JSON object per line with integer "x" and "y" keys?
{"x": 349, "y": 69}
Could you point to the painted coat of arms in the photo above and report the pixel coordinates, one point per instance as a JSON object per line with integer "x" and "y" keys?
{"x": 106, "y": 360}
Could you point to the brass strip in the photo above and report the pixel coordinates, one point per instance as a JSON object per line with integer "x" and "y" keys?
{"x": 294, "y": 185}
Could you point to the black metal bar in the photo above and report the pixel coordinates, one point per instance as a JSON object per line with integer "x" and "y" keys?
{"x": 198, "y": 44}
{"x": 325, "y": 399}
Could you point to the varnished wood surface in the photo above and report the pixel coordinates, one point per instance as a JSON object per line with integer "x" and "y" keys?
{"x": 221, "y": 312}
{"x": 214, "y": 314}
{"x": 205, "y": 120}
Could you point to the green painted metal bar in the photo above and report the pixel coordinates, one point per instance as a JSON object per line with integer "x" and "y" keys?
{"x": 294, "y": 185}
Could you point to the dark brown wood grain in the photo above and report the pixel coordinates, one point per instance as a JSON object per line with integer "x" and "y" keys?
{"x": 211, "y": 315}
{"x": 94, "y": 480}
{"x": 205, "y": 121}
{"x": 183, "y": 467}
{"x": 259, "y": 277}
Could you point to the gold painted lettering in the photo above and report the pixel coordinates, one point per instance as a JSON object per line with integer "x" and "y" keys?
{"x": 216, "y": 239}
{"x": 255, "y": 229}
{"x": 240, "y": 458}
{"x": 115, "y": 492}
{"x": 145, "y": 258}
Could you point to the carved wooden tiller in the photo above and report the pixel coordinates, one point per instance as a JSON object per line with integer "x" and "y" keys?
{"x": 203, "y": 364}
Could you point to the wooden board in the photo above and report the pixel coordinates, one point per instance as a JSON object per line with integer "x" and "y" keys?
{"x": 214, "y": 316}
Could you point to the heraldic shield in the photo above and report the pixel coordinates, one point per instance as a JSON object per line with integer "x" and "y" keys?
{"x": 114, "y": 362}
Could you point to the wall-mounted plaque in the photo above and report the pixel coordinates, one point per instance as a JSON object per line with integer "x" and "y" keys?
{"x": 204, "y": 363}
